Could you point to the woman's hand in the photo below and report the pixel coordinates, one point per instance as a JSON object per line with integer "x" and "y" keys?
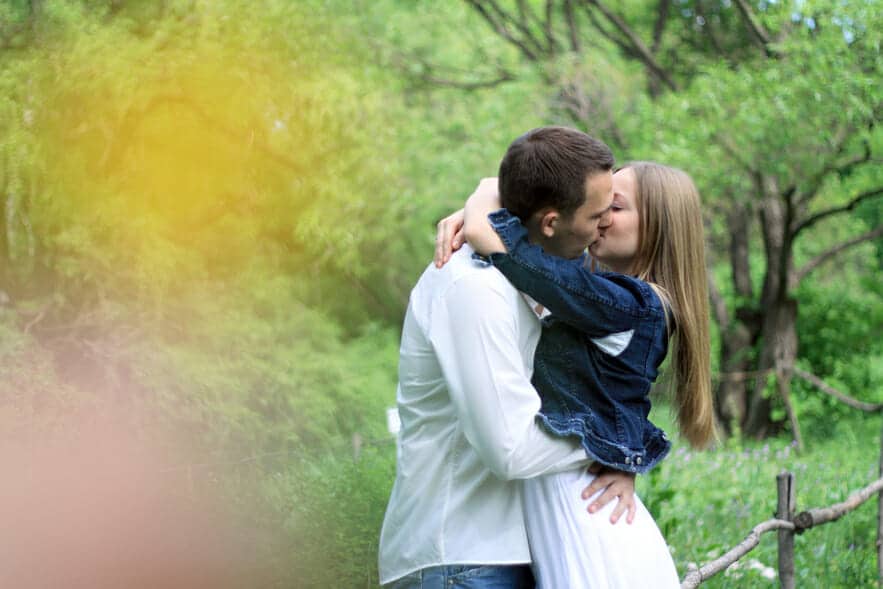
{"x": 449, "y": 237}
{"x": 615, "y": 484}
{"x": 450, "y": 232}
{"x": 478, "y": 231}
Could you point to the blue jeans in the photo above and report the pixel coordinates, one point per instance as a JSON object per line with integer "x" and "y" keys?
{"x": 467, "y": 577}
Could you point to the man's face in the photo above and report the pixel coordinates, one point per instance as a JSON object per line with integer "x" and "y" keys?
{"x": 572, "y": 235}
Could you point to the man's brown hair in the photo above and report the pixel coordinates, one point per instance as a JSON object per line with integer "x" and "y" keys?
{"x": 548, "y": 167}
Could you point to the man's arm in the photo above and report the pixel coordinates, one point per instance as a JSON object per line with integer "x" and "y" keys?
{"x": 474, "y": 329}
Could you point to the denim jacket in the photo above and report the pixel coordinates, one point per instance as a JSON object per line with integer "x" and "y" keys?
{"x": 599, "y": 352}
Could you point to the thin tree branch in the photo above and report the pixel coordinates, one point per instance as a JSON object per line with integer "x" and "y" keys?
{"x": 627, "y": 49}
{"x": 712, "y": 35}
{"x": 463, "y": 85}
{"x": 740, "y": 376}
{"x": 404, "y": 63}
{"x": 695, "y": 577}
{"x": 815, "y": 184}
{"x": 502, "y": 31}
{"x": 572, "y": 28}
{"x": 822, "y": 515}
{"x": 841, "y": 167}
{"x": 813, "y": 219}
{"x": 659, "y": 25}
{"x": 642, "y": 51}
{"x": 552, "y": 43}
{"x": 828, "y": 389}
{"x": 499, "y": 21}
{"x": 761, "y": 37}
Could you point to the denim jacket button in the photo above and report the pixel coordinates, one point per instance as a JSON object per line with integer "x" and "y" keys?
{"x": 638, "y": 461}
{"x": 628, "y": 460}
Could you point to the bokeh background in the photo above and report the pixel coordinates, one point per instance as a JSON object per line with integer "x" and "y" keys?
{"x": 213, "y": 211}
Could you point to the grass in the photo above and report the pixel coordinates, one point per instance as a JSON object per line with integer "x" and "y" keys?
{"x": 707, "y": 502}
{"x": 704, "y": 502}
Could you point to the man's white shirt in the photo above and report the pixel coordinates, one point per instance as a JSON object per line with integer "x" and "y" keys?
{"x": 468, "y": 424}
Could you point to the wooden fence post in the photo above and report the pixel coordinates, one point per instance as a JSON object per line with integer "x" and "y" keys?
{"x": 785, "y": 510}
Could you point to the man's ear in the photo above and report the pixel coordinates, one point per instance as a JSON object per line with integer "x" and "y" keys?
{"x": 548, "y": 222}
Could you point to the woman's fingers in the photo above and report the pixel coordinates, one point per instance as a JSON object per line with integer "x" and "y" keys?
{"x": 616, "y": 484}
{"x": 440, "y": 240}
{"x": 448, "y": 237}
{"x": 459, "y": 239}
{"x": 603, "y": 499}
{"x": 626, "y": 506}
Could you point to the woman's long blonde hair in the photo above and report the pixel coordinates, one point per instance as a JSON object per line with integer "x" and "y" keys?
{"x": 671, "y": 258}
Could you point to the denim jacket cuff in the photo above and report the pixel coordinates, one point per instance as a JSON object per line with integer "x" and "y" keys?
{"x": 508, "y": 227}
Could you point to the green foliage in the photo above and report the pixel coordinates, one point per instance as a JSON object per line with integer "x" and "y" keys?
{"x": 844, "y": 352}
{"x": 331, "y": 510}
{"x": 272, "y": 375}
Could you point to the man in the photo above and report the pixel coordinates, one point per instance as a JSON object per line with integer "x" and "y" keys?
{"x": 465, "y": 399}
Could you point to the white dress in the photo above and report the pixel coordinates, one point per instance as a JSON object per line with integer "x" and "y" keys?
{"x": 574, "y": 549}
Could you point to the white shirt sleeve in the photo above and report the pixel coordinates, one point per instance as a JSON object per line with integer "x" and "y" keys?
{"x": 475, "y": 332}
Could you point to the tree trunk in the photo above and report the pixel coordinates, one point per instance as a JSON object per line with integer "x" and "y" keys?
{"x": 778, "y": 331}
{"x": 731, "y": 396}
{"x": 779, "y": 351}
{"x": 741, "y": 332}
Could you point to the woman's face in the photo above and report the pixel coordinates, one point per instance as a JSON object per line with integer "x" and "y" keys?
{"x": 617, "y": 242}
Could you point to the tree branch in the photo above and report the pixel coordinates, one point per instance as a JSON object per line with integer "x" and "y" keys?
{"x": 815, "y": 184}
{"x": 695, "y": 577}
{"x": 712, "y": 35}
{"x": 499, "y": 22}
{"x": 572, "y": 28}
{"x": 627, "y": 49}
{"x": 761, "y": 37}
{"x": 503, "y": 77}
{"x": 828, "y": 389}
{"x": 642, "y": 51}
{"x": 825, "y": 256}
{"x": 404, "y": 63}
{"x": 552, "y": 43}
{"x": 813, "y": 219}
{"x": 822, "y": 515}
{"x": 659, "y": 25}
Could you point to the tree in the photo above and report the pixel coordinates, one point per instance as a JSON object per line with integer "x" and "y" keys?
{"x": 782, "y": 104}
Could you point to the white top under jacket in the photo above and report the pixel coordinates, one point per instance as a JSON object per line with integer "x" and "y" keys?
{"x": 468, "y": 424}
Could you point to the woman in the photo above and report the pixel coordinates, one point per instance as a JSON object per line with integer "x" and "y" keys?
{"x": 599, "y": 352}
